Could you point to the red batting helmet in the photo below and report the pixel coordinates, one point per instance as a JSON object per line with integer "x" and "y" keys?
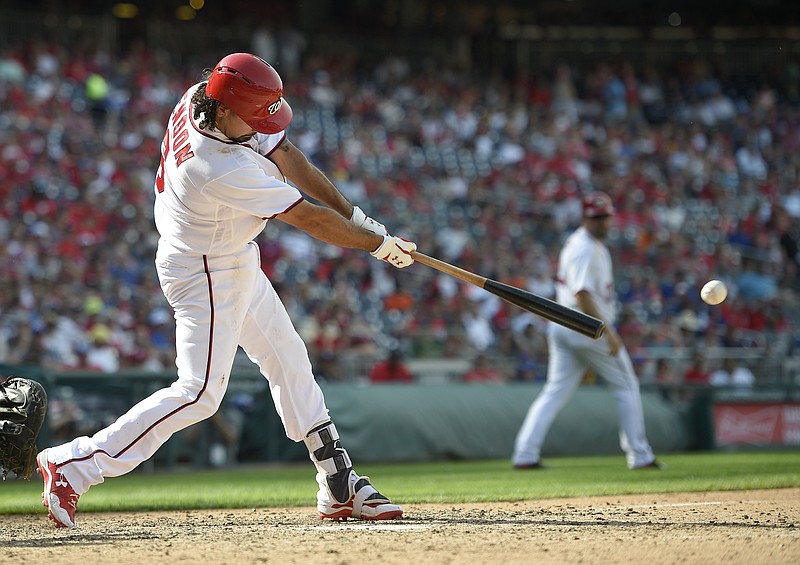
{"x": 249, "y": 86}
{"x": 597, "y": 204}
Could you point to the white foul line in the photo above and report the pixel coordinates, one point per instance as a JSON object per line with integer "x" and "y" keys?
{"x": 673, "y": 505}
{"x": 387, "y": 527}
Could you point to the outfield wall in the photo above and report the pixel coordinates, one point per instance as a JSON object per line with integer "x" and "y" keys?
{"x": 476, "y": 421}
{"x": 396, "y": 422}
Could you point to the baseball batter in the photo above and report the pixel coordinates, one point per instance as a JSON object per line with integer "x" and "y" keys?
{"x": 585, "y": 282}
{"x": 216, "y": 187}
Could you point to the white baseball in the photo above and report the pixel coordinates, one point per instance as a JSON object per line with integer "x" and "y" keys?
{"x": 714, "y": 292}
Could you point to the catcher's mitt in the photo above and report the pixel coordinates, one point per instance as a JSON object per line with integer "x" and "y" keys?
{"x": 23, "y": 404}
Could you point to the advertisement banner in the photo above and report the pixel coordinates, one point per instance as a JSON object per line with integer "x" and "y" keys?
{"x": 757, "y": 424}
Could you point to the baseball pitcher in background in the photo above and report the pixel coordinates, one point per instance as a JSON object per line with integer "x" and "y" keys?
{"x": 585, "y": 281}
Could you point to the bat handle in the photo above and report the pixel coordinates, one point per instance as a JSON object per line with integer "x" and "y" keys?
{"x": 449, "y": 269}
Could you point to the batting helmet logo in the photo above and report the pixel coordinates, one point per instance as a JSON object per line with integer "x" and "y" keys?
{"x": 275, "y": 106}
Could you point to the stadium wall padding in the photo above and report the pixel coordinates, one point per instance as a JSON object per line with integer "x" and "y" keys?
{"x": 415, "y": 422}
{"x": 396, "y": 422}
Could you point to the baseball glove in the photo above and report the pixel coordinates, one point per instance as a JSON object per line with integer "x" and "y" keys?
{"x": 23, "y": 404}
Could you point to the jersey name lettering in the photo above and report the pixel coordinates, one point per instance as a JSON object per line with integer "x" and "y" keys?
{"x": 180, "y": 136}
{"x": 180, "y": 145}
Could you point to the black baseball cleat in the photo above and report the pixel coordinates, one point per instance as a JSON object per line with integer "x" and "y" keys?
{"x": 654, "y": 464}
{"x": 529, "y": 466}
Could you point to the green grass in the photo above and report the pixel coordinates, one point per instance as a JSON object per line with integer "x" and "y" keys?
{"x": 438, "y": 482}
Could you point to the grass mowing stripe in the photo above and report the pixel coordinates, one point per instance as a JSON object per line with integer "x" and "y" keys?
{"x": 430, "y": 482}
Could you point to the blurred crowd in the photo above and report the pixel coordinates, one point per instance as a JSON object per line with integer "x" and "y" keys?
{"x": 484, "y": 172}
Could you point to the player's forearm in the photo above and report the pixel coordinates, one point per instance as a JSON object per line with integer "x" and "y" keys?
{"x": 588, "y": 305}
{"x": 326, "y": 225}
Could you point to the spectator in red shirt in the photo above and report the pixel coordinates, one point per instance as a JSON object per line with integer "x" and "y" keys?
{"x": 482, "y": 372}
{"x": 697, "y": 372}
{"x": 391, "y": 370}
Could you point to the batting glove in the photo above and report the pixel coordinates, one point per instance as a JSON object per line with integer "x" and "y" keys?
{"x": 360, "y": 219}
{"x": 395, "y": 250}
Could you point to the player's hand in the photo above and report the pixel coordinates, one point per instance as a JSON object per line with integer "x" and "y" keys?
{"x": 360, "y": 219}
{"x": 395, "y": 250}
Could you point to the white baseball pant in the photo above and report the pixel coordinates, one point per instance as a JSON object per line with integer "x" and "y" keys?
{"x": 220, "y": 303}
{"x": 570, "y": 356}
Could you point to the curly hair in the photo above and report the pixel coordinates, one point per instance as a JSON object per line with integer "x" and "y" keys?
{"x": 205, "y": 105}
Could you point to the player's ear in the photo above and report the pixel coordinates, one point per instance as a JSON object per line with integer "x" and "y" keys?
{"x": 222, "y": 110}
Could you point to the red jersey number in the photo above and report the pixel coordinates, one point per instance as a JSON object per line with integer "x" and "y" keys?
{"x": 161, "y": 171}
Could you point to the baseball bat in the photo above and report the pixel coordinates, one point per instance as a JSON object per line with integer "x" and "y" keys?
{"x": 539, "y": 305}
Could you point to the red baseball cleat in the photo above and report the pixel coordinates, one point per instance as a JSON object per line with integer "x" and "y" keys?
{"x": 58, "y": 497}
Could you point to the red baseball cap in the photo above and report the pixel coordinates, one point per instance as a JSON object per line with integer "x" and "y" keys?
{"x": 597, "y": 204}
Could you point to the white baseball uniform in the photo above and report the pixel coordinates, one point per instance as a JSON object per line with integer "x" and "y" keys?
{"x": 584, "y": 264}
{"x": 213, "y": 196}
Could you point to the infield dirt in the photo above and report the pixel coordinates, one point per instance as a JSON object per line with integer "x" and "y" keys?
{"x": 738, "y": 527}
